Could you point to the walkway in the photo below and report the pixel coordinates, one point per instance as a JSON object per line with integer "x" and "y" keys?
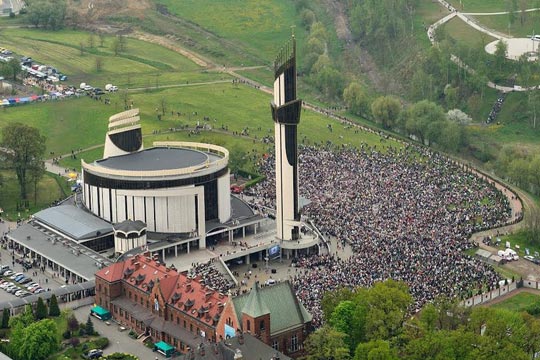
{"x": 465, "y": 17}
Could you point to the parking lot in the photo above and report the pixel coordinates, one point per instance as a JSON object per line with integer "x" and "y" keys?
{"x": 7, "y": 258}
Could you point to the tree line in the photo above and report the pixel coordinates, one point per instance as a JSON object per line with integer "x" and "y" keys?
{"x": 369, "y": 324}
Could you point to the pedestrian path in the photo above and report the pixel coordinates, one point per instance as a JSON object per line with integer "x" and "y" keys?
{"x": 479, "y": 27}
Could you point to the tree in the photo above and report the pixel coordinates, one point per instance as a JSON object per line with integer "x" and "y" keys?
{"x": 47, "y": 13}
{"x": 423, "y": 119}
{"x": 11, "y": 69}
{"x": 387, "y": 303}
{"x": 99, "y": 64}
{"x": 41, "y": 309}
{"x": 5, "y": 318}
{"x": 24, "y": 151}
{"x": 101, "y": 39}
{"x": 237, "y": 159}
{"x": 356, "y": 99}
{"x": 36, "y": 172}
{"x": 91, "y": 40}
{"x": 385, "y": 110}
{"x": 54, "y": 310}
{"x": 39, "y": 341}
{"x": 458, "y": 116}
{"x": 501, "y": 51}
{"x": 89, "y": 328}
{"x": 72, "y": 323}
{"x": 116, "y": 46}
{"x": 331, "y": 300}
{"x": 375, "y": 350}
{"x": 326, "y": 343}
{"x": 342, "y": 320}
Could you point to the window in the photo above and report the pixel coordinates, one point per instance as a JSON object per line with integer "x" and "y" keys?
{"x": 248, "y": 325}
{"x": 294, "y": 343}
{"x": 275, "y": 345}
{"x": 261, "y": 325}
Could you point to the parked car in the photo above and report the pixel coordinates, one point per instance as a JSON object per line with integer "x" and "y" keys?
{"x": 16, "y": 275}
{"x": 6, "y": 285}
{"x": 98, "y": 91}
{"x": 32, "y": 285}
{"x": 8, "y": 273}
{"x": 39, "y": 291}
{"x": 26, "y": 281}
{"x": 94, "y": 354}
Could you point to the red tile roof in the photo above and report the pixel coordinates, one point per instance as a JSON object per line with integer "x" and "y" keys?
{"x": 187, "y": 294}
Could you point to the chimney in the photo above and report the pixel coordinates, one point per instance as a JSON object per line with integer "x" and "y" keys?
{"x": 137, "y": 265}
{"x": 134, "y": 260}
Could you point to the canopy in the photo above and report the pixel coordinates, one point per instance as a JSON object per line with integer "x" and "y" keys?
{"x": 100, "y": 312}
{"x": 164, "y": 348}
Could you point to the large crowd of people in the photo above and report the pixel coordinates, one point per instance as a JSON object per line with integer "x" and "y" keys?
{"x": 407, "y": 214}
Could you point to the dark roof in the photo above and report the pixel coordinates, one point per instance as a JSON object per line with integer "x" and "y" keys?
{"x": 74, "y": 257}
{"x": 128, "y": 226}
{"x": 286, "y": 311}
{"x": 73, "y": 222}
{"x": 158, "y": 158}
{"x": 251, "y": 349}
{"x": 67, "y": 289}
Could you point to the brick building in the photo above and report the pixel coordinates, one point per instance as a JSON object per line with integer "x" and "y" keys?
{"x": 149, "y": 298}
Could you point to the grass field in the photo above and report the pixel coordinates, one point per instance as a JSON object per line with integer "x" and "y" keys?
{"x": 262, "y": 25}
{"x": 465, "y": 34}
{"x": 518, "y": 302}
{"x": 250, "y": 110}
{"x": 513, "y": 127}
{"x": 485, "y": 5}
{"x": 50, "y": 188}
{"x": 531, "y": 24}
{"x": 142, "y": 64}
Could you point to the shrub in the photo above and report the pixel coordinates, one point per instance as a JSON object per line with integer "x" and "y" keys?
{"x": 67, "y": 334}
{"x": 74, "y": 341}
{"x": 101, "y": 342}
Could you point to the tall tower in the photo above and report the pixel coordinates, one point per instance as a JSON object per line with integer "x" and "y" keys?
{"x": 286, "y": 110}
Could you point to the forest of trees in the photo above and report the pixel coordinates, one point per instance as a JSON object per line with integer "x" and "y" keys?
{"x": 373, "y": 324}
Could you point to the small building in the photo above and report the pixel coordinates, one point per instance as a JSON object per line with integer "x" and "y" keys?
{"x": 270, "y": 313}
{"x": 129, "y": 235}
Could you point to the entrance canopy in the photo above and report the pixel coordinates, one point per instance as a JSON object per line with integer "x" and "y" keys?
{"x": 100, "y": 313}
{"x": 164, "y": 348}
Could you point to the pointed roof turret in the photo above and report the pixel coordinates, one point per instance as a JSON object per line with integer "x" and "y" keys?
{"x": 255, "y": 305}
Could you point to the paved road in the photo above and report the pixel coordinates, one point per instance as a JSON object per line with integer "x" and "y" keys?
{"x": 119, "y": 341}
{"x": 464, "y": 16}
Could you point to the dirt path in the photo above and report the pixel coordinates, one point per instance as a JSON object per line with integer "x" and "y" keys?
{"x": 171, "y": 45}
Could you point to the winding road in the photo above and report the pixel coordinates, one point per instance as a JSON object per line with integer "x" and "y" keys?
{"x": 465, "y": 17}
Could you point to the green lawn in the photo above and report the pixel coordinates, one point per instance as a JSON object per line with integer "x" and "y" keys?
{"x": 513, "y": 127}
{"x": 50, "y": 188}
{"x": 227, "y": 105}
{"x": 465, "y": 34}
{"x": 485, "y": 5}
{"x": 518, "y": 302}
{"x": 530, "y": 25}
{"x": 142, "y": 64}
{"x": 261, "y": 25}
